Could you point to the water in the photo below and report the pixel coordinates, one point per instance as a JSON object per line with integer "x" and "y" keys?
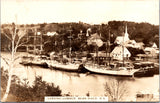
{"x": 78, "y": 84}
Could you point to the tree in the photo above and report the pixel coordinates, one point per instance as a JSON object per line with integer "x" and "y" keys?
{"x": 15, "y": 35}
{"x": 115, "y": 89}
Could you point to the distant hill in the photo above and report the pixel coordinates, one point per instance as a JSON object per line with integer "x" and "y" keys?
{"x": 141, "y": 32}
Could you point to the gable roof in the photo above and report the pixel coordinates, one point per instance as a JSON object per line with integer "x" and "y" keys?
{"x": 154, "y": 45}
{"x": 95, "y": 39}
{"x": 120, "y": 39}
{"x": 119, "y": 50}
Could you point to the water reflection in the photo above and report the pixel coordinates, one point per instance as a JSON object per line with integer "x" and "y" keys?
{"x": 80, "y": 84}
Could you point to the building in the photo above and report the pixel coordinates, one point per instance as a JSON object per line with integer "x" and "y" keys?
{"x": 152, "y": 51}
{"x": 51, "y": 33}
{"x": 154, "y": 46}
{"x": 139, "y": 45}
{"x": 125, "y": 41}
{"x": 122, "y": 39}
{"x": 95, "y": 39}
{"x": 119, "y": 52}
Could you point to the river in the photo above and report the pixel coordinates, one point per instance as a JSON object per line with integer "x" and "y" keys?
{"x": 78, "y": 84}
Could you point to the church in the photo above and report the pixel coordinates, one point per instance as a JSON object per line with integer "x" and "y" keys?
{"x": 125, "y": 41}
{"x": 122, "y": 39}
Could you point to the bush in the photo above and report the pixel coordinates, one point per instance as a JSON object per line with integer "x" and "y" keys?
{"x": 23, "y": 92}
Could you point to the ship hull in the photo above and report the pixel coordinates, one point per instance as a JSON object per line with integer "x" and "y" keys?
{"x": 44, "y": 65}
{"x": 66, "y": 67}
{"x": 62, "y": 68}
{"x": 121, "y": 73}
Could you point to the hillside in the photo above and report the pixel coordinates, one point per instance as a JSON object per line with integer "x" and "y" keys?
{"x": 141, "y": 32}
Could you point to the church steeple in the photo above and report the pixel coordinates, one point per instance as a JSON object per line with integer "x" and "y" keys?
{"x": 126, "y": 32}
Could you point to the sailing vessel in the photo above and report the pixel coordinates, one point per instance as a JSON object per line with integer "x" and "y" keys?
{"x": 68, "y": 66}
{"x": 34, "y": 61}
{"x": 116, "y": 70}
{"x": 31, "y": 59}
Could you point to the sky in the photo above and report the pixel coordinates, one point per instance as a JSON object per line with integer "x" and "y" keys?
{"x": 88, "y": 11}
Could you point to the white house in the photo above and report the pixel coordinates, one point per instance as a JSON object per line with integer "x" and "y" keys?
{"x": 95, "y": 39}
{"x": 119, "y": 52}
{"x": 139, "y": 45}
{"x": 51, "y": 33}
{"x": 154, "y": 46}
{"x": 152, "y": 51}
{"x": 130, "y": 43}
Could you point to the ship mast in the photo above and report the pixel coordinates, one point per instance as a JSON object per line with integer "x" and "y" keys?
{"x": 123, "y": 50}
{"x": 70, "y": 49}
{"x": 109, "y": 46}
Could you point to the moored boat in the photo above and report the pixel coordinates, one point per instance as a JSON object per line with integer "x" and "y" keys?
{"x": 116, "y": 71}
{"x": 146, "y": 69}
{"x": 64, "y": 64}
{"x": 34, "y": 61}
{"x": 70, "y": 67}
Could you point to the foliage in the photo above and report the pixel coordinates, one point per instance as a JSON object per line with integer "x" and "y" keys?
{"x": 141, "y": 32}
{"x": 4, "y": 78}
{"x": 23, "y": 92}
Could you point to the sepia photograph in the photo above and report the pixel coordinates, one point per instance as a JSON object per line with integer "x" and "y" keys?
{"x": 80, "y": 51}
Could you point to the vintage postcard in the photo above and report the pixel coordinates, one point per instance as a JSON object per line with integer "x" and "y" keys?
{"x": 79, "y": 50}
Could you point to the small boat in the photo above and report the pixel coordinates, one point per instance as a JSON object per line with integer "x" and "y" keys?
{"x": 147, "y": 96}
{"x": 34, "y": 61}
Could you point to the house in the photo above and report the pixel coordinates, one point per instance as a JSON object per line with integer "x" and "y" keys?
{"x": 119, "y": 52}
{"x": 154, "y": 46}
{"x": 95, "y": 39}
{"x": 130, "y": 43}
{"x": 139, "y": 45}
{"x": 152, "y": 51}
{"x": 51, "y": 33}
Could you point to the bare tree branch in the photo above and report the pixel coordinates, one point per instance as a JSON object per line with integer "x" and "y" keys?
{"x": 5, "y": 59}
{"x": 14, "y": 33}
{"x": 9, "y": 50}
{"x": 7, "y": 36}
{"x": 109, "y": 90}
{"x": 16, "y": 58}
{"x": 115, "y": 89}
{"x": 21, "y": 35}
{"x": 22, "y": 44}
